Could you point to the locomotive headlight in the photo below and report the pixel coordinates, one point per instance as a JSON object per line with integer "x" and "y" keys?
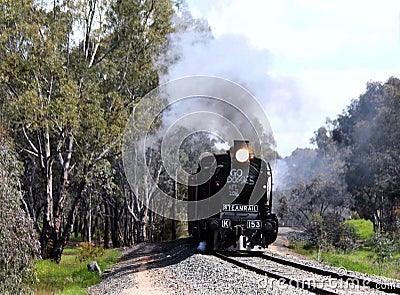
{"x": 242, "y": 155}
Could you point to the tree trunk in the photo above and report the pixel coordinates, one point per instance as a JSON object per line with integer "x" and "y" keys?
{"x": 62, "y": 191}
{"x": 145, "y": 221}
{"x": 89, "y": 219}
{"x": 162, "y": 229}
{"x": 76, "y": 228}
{"x": 47, "y": 235}
{"x": 126, "y": 227}
{"x": 173, "y": 221}
{"x": 106, "y": 226}
{"x": 96, "y": 233}
{"x": 151, "y": 222}
{"x": 62, "y": 241}
{"x": 115, "y": 229}
{"x": 54, "y": 234}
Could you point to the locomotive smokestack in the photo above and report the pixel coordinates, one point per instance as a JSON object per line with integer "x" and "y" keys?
{"x": 238, "y": 144}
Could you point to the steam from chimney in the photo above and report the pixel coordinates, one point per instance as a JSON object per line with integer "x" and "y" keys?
{"x": 233, "y": 57}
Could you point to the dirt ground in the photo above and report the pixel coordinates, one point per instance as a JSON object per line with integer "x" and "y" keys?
{"x": 144, "y": 284}
{"x": 280, "y": 246}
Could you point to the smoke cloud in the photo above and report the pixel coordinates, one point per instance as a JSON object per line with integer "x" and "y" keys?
{"x": 233, "y": 57}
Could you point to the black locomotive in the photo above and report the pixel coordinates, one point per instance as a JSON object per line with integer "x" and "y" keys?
{"x": 239, "y": 196}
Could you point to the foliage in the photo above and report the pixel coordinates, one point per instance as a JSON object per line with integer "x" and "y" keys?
{"x": 347, "y": 238}
{"x": 88, "y": 251}
{"x": 354, "y": 168}
{"x": 383, "y": 248}
{"x": 364, "y": 228}
{"x": 299, "y": 242}
{"x": 329, "y": 232}
{"x": 360, "y": 261}
{"x": 19, "y": 247}
{"x": 313, "y": 183}
{"x": 369, "y": 131}
{"x": 396, "y": 239}
{"x": 70, "y": 74}
{"x": 315, "y": 230}
{"x": 71, "y": 276}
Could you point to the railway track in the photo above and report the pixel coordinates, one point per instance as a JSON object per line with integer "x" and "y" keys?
{"x": 340, "y": 273}
{"x": 310, "y": 278}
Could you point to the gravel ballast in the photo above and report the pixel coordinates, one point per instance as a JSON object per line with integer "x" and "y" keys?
{"x": 178, "y": 268}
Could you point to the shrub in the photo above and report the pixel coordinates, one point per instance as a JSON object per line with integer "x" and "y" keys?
{"x": 333, "y": 229}
{"x": 299, "y": 241}
{"x": 314, "y": 230}
{"x": 19, "y": 246}
{"x": 364, "y": 228}
{"x": 383, "y": 247}
{"x": 347, "y": 240}
{"x": 88, "y": 251}
{"x": 329, "y": 232}
{"x": 298, "y": 237}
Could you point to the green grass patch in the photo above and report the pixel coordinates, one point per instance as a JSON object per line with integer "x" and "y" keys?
{"x": 361, "y": 261}
{"x": 364, "y": 228}
{"x": 71, "y": 276}
{"x": 303, "y": 248}
{"x": 358, "y": 261}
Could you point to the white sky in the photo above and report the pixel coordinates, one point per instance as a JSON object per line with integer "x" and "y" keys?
{"x": 331, "y": 49}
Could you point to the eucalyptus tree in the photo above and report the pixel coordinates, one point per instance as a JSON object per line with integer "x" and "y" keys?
{"x": 143, "y": 180}
{"x": 369, "y": 130}
{"x": 42, "y": 101}
{"x": 70, "y": 74}
{"x": 19, "y": 245}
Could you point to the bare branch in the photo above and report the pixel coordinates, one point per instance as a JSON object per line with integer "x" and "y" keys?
{"x": 105, "y": 151}
{"x": 93, "y": 54}
{"x": 31, "y": 153}
{"x": 35, "y": 150}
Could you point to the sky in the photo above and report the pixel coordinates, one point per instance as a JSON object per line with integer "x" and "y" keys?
{"x": 304, "y": 60}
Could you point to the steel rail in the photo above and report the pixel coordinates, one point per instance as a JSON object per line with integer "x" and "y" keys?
{"x": 335, "y": 274}
{"x": 295, "y": 283}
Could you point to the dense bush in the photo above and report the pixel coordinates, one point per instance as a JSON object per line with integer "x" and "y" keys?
{"x": 347, "y": 238}
{"x": 314, "y": 230}
{"x": 329, "y": 232}
{"x": 298, "y": 237}
{"x": 19, "y": 247}
{"x": 88, "y": 251}
{"x": 364, "y": 228}
{"x": 384, "y": 248}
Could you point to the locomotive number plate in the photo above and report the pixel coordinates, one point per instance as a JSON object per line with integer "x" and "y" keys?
{"x": 254, "y": 224}
{"x": 225, "y": 223}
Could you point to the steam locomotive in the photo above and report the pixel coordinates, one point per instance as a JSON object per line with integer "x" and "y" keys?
{"x": 238, "y": 193}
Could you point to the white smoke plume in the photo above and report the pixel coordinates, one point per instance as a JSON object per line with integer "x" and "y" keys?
{"x": 196, "y": 52}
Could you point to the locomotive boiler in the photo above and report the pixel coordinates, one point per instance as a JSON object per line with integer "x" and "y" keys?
{"x": 240, "y": 188}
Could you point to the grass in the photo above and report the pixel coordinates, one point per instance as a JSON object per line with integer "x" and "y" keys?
{"x": 364, "y": 228}
{"x": 361, "y": 261}
{"x": 301, "y": 248}
{"x": 71, "y": 276}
